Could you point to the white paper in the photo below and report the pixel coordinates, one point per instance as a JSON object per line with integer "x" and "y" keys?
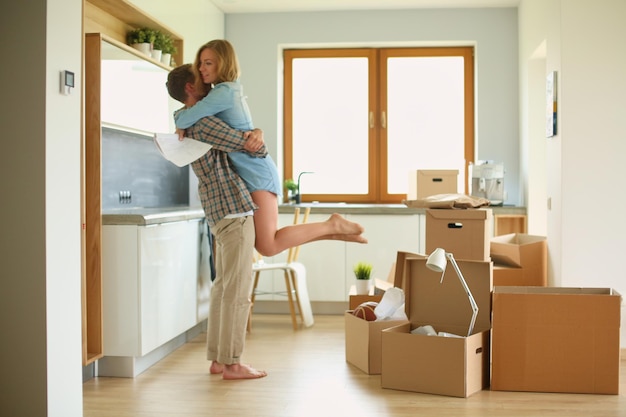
{"x": 180, "y": 152}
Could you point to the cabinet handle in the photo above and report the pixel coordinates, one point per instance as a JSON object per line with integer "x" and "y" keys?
{"x": 371, "y": 120}
{"x": 383, "y": 120}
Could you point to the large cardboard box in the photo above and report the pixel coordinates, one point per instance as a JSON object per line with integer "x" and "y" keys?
{"x": 453, "y": 366}
{"x": 426, "y": 182}
{"x": 464, "y": 233}
{"x": 520, "y": 260}
{"x": 548, "y": 339}
{"x": 363, "y": 338}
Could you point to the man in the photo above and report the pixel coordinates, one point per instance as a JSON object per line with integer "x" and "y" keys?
{"x": 229, "y": 211}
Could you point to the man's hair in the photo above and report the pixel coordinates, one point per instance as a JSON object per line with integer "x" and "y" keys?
{"x": 177, "y": 79}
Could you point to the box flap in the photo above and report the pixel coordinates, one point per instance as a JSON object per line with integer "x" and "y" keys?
{"x": 460, "y": 214}
{"x": 446, "y": 305}
{"x": 401, "y": 258}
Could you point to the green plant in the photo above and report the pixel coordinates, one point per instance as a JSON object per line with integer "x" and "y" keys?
{"x": 164, "y": 42}
{"x": 291, "y": 185}
{"x": 141, "y": 35}
{"x": 362, "y": 270}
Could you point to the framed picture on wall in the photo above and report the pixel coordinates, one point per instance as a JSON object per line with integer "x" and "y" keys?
{"x": 551, "y": 105}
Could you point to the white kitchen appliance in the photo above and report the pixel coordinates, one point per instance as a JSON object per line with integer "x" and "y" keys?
{"x": 487, "y": 181}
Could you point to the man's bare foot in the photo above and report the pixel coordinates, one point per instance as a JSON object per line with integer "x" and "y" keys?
{"x": 242, "y": 371}
{"x": 341, "y": 225}
{"x": 216, "y": 368}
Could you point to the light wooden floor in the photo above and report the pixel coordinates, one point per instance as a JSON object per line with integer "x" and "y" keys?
{"x": 308, "y": 376}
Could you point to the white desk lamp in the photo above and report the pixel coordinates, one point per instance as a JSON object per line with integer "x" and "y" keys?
{"x": 437, "y": 262}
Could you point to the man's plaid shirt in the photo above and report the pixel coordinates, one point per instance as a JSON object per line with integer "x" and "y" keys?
{"x": 221, "y": 190}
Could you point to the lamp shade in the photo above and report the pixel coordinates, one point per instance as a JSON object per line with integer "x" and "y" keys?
{"x": 437, "y": 260}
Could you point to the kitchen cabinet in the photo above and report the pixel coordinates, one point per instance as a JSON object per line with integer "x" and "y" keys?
{"x": 150, "y": 282}
{"x": 105, "y": 24}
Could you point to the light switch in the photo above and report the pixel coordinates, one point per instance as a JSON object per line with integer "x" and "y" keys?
{"x": 67, "y": 82}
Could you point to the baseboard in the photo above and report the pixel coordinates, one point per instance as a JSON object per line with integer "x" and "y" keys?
{"x": 131, "y": 366}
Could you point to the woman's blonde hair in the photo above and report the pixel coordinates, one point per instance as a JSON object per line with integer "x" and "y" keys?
{"x": 227, "y": 62}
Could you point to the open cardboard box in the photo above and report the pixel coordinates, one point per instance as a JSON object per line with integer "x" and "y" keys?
{"x": 363, "y": 344}
{"x": 520, "y": 260}
{"x": 462, "y": 232}
{"x": 550, "y": 339}
{"x": 450, "y": 366}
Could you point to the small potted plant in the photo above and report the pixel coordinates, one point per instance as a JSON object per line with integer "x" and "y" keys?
{"x": 167, "y": 47}
{"x": 363, "y": 272}
{"x": 141, "y": 39}
{"x": 292, "y": 190}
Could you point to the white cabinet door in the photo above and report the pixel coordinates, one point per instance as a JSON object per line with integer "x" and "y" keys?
{"x": 150, "y": 279}
{"x": 169, "y": 277}
{"x": 386, "y": 236}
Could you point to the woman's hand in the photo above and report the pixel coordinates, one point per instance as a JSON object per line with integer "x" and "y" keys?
{"x": 254, "y": 140}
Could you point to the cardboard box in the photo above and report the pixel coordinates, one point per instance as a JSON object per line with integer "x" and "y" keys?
{"x": 464, "y": 233}
{"x": 363, "y": 342}
{"x": 520, "y": 260}
{"x": 547, "y": 339}
{"x": 363, "y": 338}
{"x": 450, "y": 366}
{"x": 427, "y": 182}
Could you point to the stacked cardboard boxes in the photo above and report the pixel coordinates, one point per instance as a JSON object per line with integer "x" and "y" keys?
{"x": 464, "y": 233}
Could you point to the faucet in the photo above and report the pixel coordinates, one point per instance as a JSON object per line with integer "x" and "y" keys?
{"x": 297, "y": 196}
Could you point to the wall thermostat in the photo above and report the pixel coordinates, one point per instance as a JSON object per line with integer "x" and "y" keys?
{"x": 67, "y": 82}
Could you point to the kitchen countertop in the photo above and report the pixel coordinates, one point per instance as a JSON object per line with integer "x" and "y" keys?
{"x": 141, "y": 216}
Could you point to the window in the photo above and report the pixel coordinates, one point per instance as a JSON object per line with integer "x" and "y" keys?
{"x": 362, "y": 119}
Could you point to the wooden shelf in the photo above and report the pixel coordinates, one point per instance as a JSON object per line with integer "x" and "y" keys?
{"x": 115, "y": 18}
{"x": 108, "y": 20}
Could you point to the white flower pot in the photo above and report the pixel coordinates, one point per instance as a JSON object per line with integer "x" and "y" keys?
{"x": 142, "y": 47}
{"x": 156, "y": 54}
{"x": 363, "y": 286}
{"x": 166, "y": 59}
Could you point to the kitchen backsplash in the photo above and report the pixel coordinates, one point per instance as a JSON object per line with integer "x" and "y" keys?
{"x": 134, "y": 174}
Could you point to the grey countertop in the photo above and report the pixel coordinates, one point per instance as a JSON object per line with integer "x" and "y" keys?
{"x": 140, "y": 216}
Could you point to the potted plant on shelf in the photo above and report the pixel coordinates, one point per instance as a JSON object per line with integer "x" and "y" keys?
{"x": 165, "y": 44}
{"x": 292, "y": 190}
{"x": 363, "y": 272}
{"x": 141, "y": 39}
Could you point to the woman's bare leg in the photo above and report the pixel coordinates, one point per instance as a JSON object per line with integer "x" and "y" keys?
{"x": 270, "y": 240}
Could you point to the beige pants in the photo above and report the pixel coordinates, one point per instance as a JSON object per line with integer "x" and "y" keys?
{"x": 230, "y": 295}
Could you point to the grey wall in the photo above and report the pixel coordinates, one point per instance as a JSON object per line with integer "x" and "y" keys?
{"x": 493, "y": 31}
{"x": 131, "y": 162}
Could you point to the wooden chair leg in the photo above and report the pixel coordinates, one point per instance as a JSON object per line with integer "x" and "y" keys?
{"x": 292, "y": 310}
{"x": 294, "y": 284}
{"x": 252, "y": 297}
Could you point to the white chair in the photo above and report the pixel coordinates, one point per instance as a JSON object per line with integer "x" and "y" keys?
{"x": 295, "y": 281}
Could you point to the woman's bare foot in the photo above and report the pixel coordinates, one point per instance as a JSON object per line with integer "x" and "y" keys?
{"x": 216, "y": 368}
{"x": 242, "y": 371}
{"x": 343, "y": 226}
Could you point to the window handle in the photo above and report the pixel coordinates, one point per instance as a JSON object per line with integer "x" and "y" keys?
{"x": 371, "y": 120}
{"x": 383, "y": 120}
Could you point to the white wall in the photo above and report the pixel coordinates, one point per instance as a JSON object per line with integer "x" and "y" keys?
{"x": 584, "y": 163}
{"x": 40, "y": 310}
{"x": 259, "y": 39}
{"x": 40, "y": 248}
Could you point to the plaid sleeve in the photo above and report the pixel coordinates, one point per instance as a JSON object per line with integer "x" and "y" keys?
{"x": 215, "y": 132}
